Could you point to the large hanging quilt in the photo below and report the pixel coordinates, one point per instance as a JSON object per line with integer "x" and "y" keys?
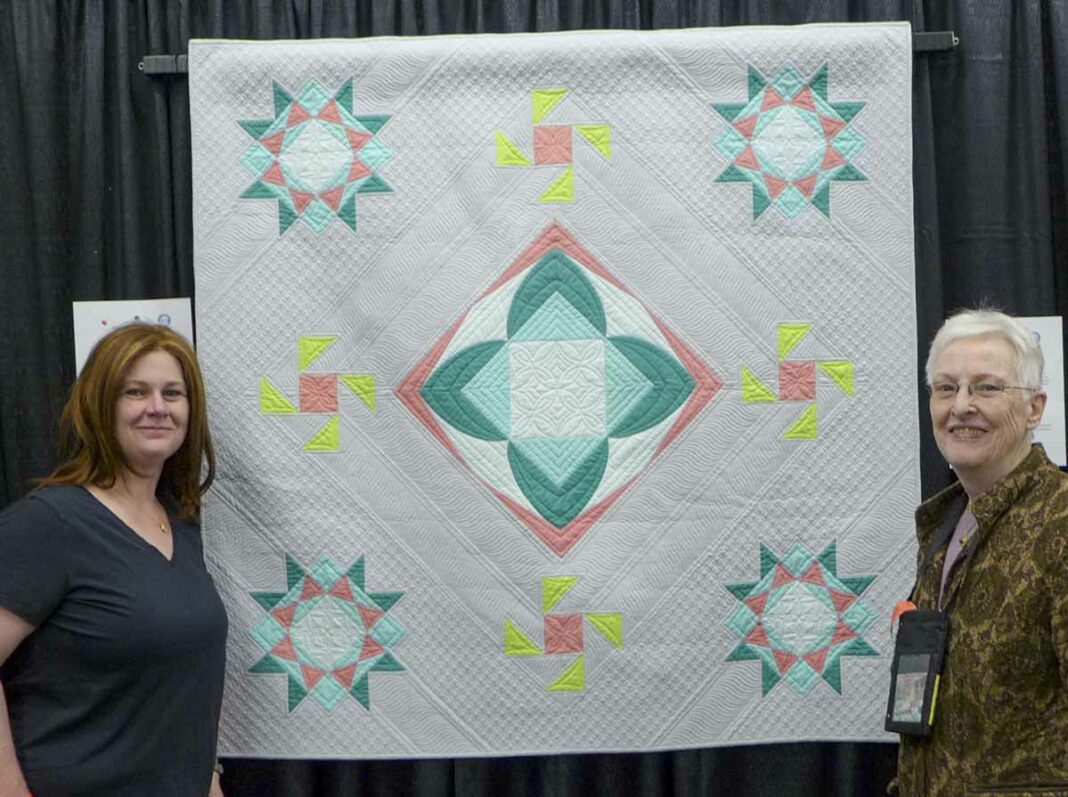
{"x": 563, "y": 386}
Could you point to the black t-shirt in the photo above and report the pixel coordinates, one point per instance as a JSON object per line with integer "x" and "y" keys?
{"x": 118, "y": 690}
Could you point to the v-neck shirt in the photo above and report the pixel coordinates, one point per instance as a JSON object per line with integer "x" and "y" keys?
{"x": 117, "y": 691}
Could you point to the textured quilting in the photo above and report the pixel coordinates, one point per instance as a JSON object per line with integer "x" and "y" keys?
{"x": 560, "y": 386}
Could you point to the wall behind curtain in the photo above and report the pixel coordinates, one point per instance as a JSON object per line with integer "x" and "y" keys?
{"x": 95, "y": 176}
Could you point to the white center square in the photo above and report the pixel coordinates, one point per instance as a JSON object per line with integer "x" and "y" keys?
{"x": 557, "y": 388}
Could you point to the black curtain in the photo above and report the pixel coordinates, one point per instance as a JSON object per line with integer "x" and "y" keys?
{"x": 95, "y": 169}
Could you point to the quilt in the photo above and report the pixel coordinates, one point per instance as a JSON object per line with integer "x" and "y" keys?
{"x": 563, "y": 386}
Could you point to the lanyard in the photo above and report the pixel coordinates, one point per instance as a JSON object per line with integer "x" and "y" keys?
{"x": 941, "y": 538}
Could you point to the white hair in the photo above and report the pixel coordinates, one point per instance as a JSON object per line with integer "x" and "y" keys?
{"x": 1027, "y": 355}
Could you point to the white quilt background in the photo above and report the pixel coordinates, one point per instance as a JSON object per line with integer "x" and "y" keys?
{"x": 690, "y": 251}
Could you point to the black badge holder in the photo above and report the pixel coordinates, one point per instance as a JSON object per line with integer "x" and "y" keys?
{"x": 916, "y": 671}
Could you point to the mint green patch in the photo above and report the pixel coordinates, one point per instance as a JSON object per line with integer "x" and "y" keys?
{"x": 489, "y": 391}
{"x": 557, "y": 319}
{"x": 859, "y": 616}
{"x": 731, "y": 142}
{"x": 670, "y": 386}
{"x": 268, "y": 632}
{"x": 555, "y": 273}
{"x": 313, "y": 97}
{"x": 787, "y": 83}
{"x": 443, "y": 391}
{"x": 318, "y": 215}
{"x": 797, "y": 559}
{"x": 256, "y": 159}
{"x": 559, "y": 504}
{"x": 387, "y": 632}
{"x": 627, "y": 386}
{"x": 557, "y": 457}
{"x": 792, "y": 201}
{"x": 329, "y": 692}
{"x": 801, "y": 676}
{"x": 375, "y": 154}
{"x": 742, "y": 620}
{"x": 849, "y": 142}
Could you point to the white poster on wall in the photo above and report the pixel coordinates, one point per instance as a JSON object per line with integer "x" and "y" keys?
{"x": 93, "y": 320}
{"x": 1050, "y": 433}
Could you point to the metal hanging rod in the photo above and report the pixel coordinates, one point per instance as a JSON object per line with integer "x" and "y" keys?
{"x": 165, "y": 65}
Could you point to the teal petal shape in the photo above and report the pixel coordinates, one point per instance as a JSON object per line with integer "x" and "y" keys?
{"x": 557, "y": 319}
{"x": 557, "y": 457}
{"x": 443, "y": 391}
{"x": 559, "y": 504}
{"x": 670, "y": 386}
{"x": 490, "y": 391}
{"x": 555, "y": 274}
{"x": 627, "y": 386}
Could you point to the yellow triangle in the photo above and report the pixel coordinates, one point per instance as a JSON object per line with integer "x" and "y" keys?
{"x": 789, "y": 336}
{"x": 553, "y": 589}
{"x": 509, "y": 153}
{"x": 598, "y": 135}
{"x": 572, "y": 679}
{"x": 841, "y": 371}
{"x": 562, "y": 188}
{"x": 272, "y": 400}
{"x": 516, "y": 643}
{"x": 363, "y": 385}
{"x": 804, "y": 428}
{"x": 753, "y": 390}
{"x": 312, "y": 347}
{"x": 327, "y": 438}
{"x": 610, "y": 626}
{"x": 544, "y": 100}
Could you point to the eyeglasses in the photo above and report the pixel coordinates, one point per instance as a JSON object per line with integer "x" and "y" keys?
{"x": 947, "y": 391}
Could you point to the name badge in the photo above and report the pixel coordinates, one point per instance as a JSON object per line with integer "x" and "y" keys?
{"x": 918, "y": 654}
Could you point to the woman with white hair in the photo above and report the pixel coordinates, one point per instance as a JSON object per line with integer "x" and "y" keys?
{"x": 980, "y": 675}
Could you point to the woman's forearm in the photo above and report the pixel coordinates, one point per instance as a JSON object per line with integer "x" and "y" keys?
{"x": 12, "y": 784}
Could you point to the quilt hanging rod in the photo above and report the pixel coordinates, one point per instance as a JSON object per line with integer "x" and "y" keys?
{"x": 164, "y": 65}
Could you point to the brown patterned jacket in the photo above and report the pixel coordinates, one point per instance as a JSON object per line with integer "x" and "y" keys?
{"x": 1001, "y": 718}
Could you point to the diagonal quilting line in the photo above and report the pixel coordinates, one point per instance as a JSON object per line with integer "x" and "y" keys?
{"x": 222, "y": 289}
{"x": 761, "y": 340}
{"x": 382, "y": 527}
{"x": 490, "y": 207}
{"x": 887, "y": 271}
{"x": 703, "y": 687}
{"x": 907, "y": 540}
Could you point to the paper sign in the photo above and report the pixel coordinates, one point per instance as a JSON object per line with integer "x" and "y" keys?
{"x": 1050, "y": 433}
{"x": 93, "y": 320}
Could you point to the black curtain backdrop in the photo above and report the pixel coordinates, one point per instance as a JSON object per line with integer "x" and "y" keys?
{"x": 95, "y": 175}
